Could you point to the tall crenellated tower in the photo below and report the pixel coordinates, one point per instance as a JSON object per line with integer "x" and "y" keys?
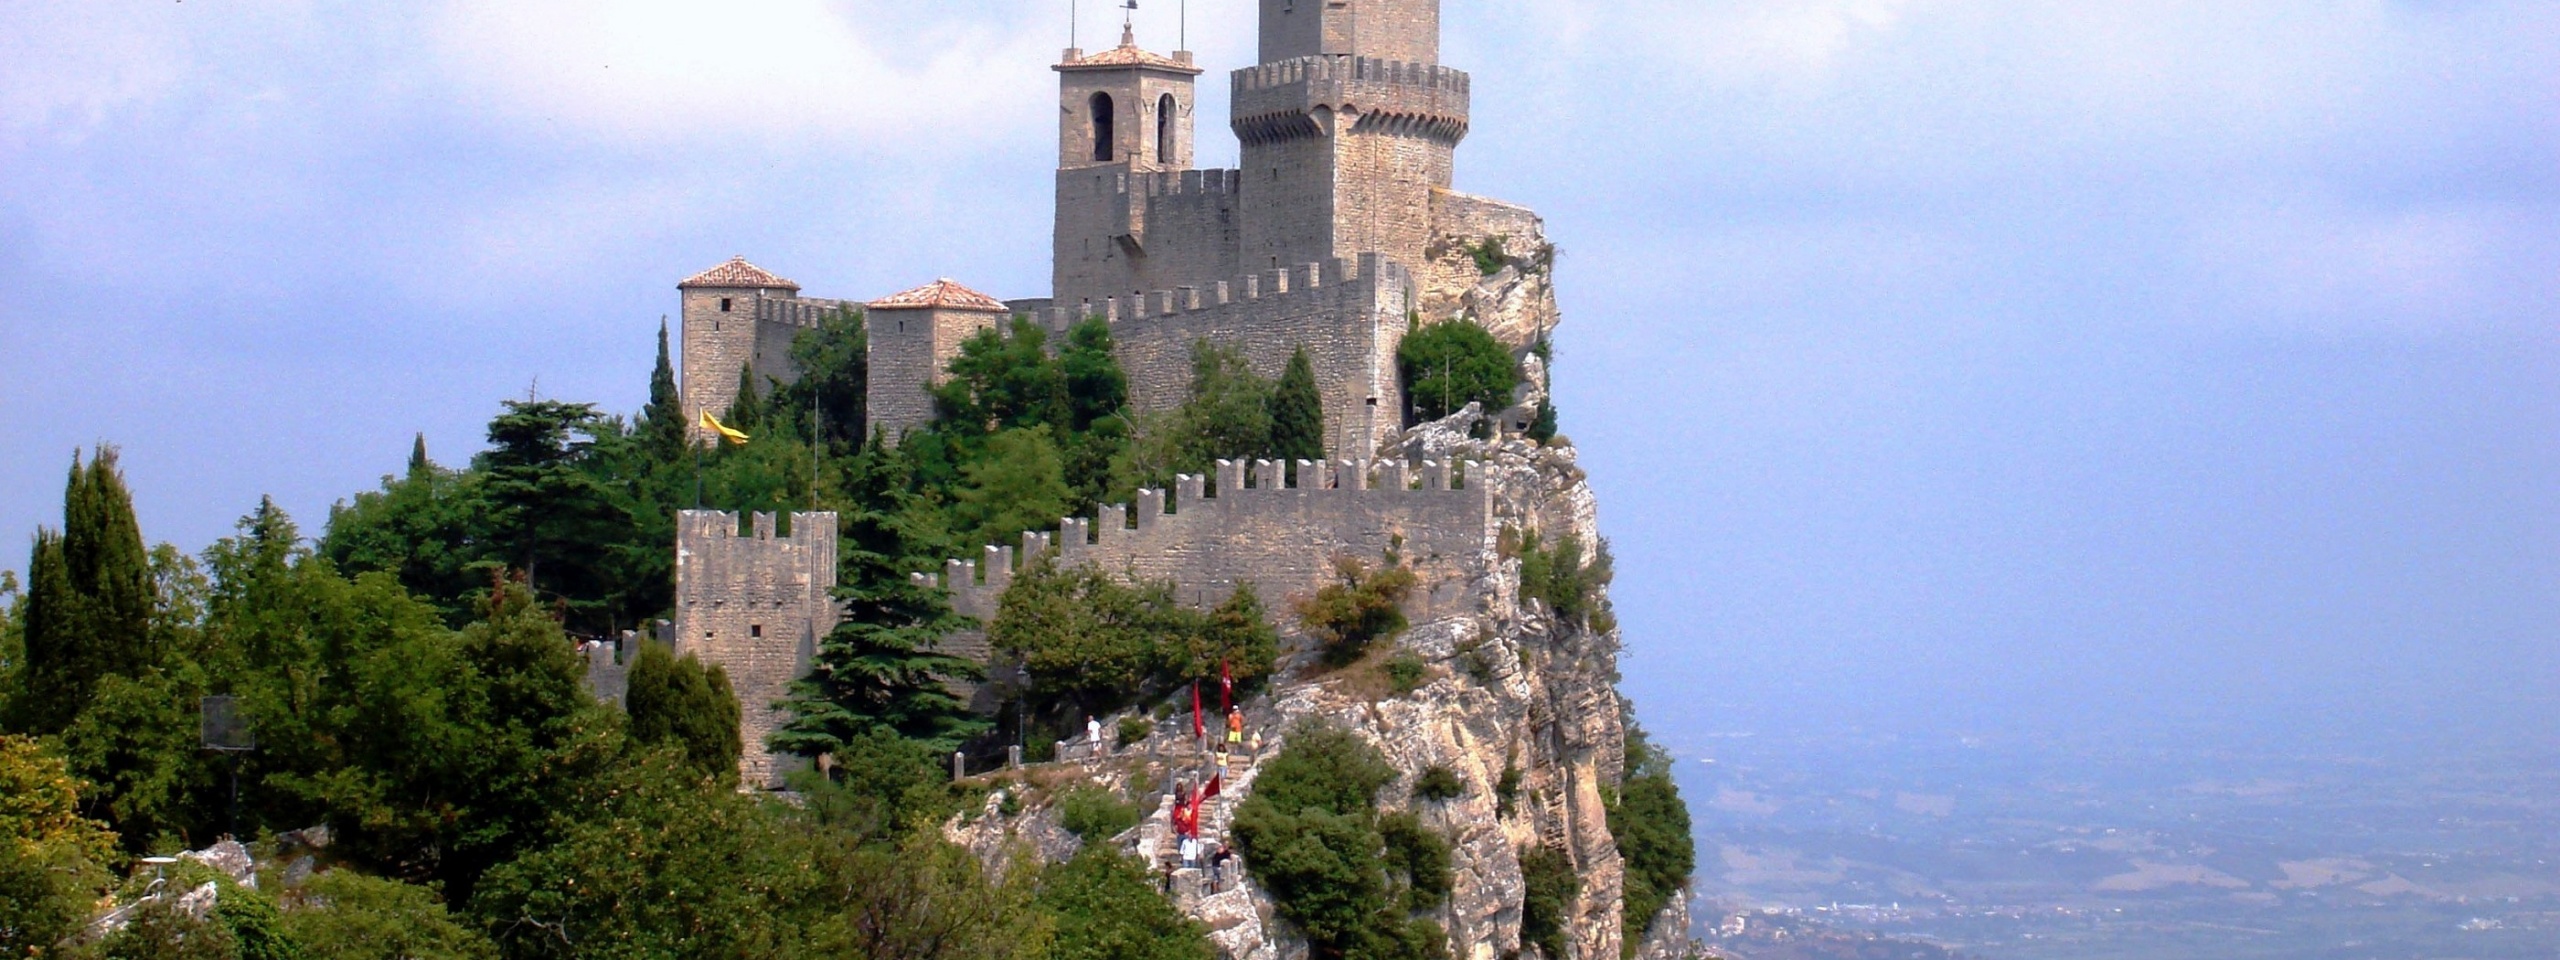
{"x": 1347, "y": 126}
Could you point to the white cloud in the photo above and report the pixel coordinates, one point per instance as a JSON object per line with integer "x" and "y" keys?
{"x": 70, "y": 68}
{"x": 696, "y": 72}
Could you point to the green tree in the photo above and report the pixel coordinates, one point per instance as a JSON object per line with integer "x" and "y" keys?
{"x": 1297, "y": 412}
{"x": 746, "y": 412}
{"x": 683, "y": 704}
{"x": 1002, "y": 379}
{"x": 1103, "y": 906}
{"x": 1549, "y": 887}
{"x": 345, "y": 915}
{"x": 921, "y": 899}
{"x": 1096, "y": 388}
{"x": 1019, "y": 484}
{"x": 1453, "y": 363}
{"x": 1651, "y": 825}
{"x": 671, "y": 864}
{"x": 834, "y": 363}
{"x": 881, "y": 668}
{"x": 1225, "y": 416}
{"x": 89, "y": 600}
{"x": 546, "y": 511}
{"x": 662, "y": 424}
{"x": 1349, "y": 879}
{"x": 422, "y": 527}
{"x": 52, "y": 859}
{"x": 13, "y": 642}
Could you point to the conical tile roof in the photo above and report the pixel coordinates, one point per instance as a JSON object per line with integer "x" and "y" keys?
{"x": 738, "y": 274}
{"x": 941, "y": 295}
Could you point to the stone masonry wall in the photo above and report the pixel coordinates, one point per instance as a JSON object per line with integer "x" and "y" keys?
{"x": 1280, "y": 538}
{"x": 1397, "y": 29}
{"x": 754, "y": 333}
{"x": 1350, "y": 316}
{"x": 1180, "y": 228}
{"x": 756, "y": 605}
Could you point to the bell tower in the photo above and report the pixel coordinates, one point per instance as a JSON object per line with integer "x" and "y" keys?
{"x": 1346, "y": 128}
{"x": 1124, "y": 123}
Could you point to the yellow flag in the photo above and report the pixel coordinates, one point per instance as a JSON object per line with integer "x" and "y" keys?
{"x": 714, "y": 425}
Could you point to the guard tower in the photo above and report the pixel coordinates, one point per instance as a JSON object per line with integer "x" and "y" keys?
{"x": 1346, "y": 128}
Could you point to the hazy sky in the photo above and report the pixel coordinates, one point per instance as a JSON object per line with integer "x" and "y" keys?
{"x": 2028, "y": 363}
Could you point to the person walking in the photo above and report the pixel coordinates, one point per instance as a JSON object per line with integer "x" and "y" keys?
{"x": 1093, "y": 734}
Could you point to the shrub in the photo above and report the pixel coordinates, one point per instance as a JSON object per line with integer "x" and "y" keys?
{"x": 1348, "y": 878}
{"x": 1549, "y": 886}
{"x": 1506, "y": 792}
{"x": 1092, "y": 645}
{"x": 343, "y": 915}
{"x": 1488, "y": 256}
{"x": 1104, "y": 906}
{"x": 1562, "y": 579}
{"x": 1651, "y": 825}
{"x": 685, "y": 703}
{"x": 1439, "y": 783}
{"x": 1405, "y": 673}
{"x": 1135, "y": 728}
{"x": 1453, "y": 363}
{"x": 1095, "y": 815}
{"x": 1361, "y": 607}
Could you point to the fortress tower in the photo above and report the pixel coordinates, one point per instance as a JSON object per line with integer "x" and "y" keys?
{"x": 1346, "y": 127}
{"x": 914, "y": 336}
{"x": 721, "y": 335}
{"x": 1132, "y": 213}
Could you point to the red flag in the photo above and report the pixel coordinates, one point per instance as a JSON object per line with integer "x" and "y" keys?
{"x": 1199, "y": 727}
{"x": 1226, "y": 688}
{"x": 1212, "y": 789}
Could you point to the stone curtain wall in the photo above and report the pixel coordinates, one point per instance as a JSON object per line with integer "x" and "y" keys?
{"x": 1280, "y": 538}
{"x": 1350, "y": 315}
{"x": 1182, "y": 228}
{"x": 756, "y": 605}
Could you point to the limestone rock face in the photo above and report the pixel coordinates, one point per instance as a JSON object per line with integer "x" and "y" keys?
{"x": 1512, "y": 693}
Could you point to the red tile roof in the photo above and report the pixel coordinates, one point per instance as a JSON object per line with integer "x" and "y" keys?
{"x": 738, "y": 274}
{"x": 1128, "y": 55}
{"x": 942, "y": 295}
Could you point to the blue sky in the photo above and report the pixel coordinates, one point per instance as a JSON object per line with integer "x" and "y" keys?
{"x": 1939, "y": 362}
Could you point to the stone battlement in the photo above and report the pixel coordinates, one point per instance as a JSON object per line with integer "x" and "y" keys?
{"x": 1279, "y": 101}
{"x": 756, "y": 603}
{"x": 1303, "y": 280}
{"x": 796, "y": 311}
{"x": 1214, "y": 533}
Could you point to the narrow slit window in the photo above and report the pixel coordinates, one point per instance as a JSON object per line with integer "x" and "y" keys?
{"x": 1166, "y": 110}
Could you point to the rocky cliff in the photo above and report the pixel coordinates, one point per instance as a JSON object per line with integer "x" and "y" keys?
{"x": 1518, "y": 701}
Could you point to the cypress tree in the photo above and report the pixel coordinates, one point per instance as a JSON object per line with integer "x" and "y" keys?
{"x": 1543, "y": 428}
{"x": 418, "y": 462}
{"x": 746, "y": 412}
{"x": 50, "y": 690}
{"x": 1297, "y": 412}
{"x": 662, "y": 423}
{"x": 102, "y": 545}
{"x": 688, "y": 705}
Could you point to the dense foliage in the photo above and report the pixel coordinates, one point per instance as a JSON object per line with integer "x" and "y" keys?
{"x": 1352, "y": 880}
{"x": 1651, "y": 825}
{"x": 1450, "y": 364}
{"x": 684, "y": 704}
{"x": 1572, "y": 586}
{"x": 1091, "y": 644}
{"x": 1546, "y": 903}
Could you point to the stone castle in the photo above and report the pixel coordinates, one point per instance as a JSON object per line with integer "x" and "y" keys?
{"x": 1338, "y": 234}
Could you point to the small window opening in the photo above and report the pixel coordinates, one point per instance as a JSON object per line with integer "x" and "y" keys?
{"x": 1165, "y": 111}
{"x": 1103, "y": 122}
{"x": 724, "y": 304}
{"x": 756, "y": 630}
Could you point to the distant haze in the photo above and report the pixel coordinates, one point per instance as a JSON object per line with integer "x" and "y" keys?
{"x": 2001, "y": 365}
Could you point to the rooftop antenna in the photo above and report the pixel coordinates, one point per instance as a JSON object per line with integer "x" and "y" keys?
{"x": 1128, "y": 23}
{"x": 1072, "y": 5}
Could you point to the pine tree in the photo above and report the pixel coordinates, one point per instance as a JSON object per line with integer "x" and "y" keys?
{"x": 662, "y": 424}
{"x": 686, "y": 704}
{"x": 1297, "y": 412}
{"x": 881, "y": 671}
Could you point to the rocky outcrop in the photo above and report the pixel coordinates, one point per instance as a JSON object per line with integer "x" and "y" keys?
{"x": 1518, "y": 702}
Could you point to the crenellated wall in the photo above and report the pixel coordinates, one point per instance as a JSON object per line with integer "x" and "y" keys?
{"x": 1120, "y": 233}
{"x": 756, "y": 604}
{"x": 1281, "y": 537}
{"x": 1349, "y": 315}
